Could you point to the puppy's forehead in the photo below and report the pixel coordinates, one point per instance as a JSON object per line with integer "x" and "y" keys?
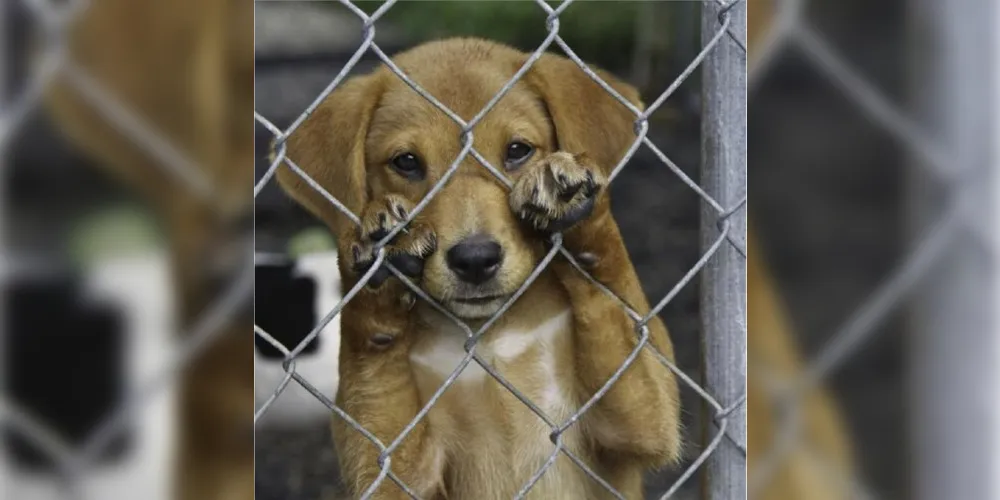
{"x": 462, "y": 79}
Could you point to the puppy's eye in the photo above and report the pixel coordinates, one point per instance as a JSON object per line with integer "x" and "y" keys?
{"x": 517, "y": 153}
{"x": 409, "y": 165}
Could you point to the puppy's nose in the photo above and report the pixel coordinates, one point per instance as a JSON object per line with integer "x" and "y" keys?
{"x": 475, "y": 259}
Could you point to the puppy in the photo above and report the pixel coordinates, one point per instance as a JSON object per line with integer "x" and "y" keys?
{"x": 379, "y": 147}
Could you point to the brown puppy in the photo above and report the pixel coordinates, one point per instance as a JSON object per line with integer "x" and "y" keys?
{"x": 379, "y": 147}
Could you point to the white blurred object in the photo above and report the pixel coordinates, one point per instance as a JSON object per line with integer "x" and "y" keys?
{"x": 296, "y": 406}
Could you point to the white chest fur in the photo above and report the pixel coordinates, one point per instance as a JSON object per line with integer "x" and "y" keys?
{"x": 520, "y": 352}
{"x": 485, "y": 428}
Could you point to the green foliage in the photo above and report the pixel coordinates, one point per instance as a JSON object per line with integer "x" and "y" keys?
{"x": 598, "y": 31}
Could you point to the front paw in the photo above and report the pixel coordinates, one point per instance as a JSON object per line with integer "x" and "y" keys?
{"x": 407, "y": 251}
{"x": 556, "y": 193}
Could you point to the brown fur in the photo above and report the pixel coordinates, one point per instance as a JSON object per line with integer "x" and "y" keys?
{"x": 185, "y": 68}
{"x": 478, "y": 441}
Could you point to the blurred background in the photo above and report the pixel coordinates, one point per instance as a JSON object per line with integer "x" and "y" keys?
{"x": 101, "y": 330}
{"x": 828, "y": 211}
{"x": 86, "y": 300}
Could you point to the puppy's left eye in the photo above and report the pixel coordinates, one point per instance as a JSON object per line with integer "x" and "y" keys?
{"x": 517, "y": 153}
{"x": 408, "y": 165}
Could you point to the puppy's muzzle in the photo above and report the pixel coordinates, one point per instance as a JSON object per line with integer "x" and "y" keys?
{"x": 476, "y": 259}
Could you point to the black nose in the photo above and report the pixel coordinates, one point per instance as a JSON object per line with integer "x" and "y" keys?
{"x": 475, "y": 259}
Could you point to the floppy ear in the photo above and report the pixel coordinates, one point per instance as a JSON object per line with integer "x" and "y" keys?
{"x": 586, "y": 117}
{"x": 330, "y": 147}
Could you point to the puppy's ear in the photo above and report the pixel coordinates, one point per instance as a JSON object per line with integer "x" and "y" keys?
{"x": 586, "y": 117}
{"x": 330, "y": 147}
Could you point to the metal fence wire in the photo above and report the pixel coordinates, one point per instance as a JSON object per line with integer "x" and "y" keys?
{"x": 54, "y": 20}
{"x": 724, "y": 48}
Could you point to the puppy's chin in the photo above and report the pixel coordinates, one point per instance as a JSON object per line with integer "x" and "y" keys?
{"x": 475, "y": 310}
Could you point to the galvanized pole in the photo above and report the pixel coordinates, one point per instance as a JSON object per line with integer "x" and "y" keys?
{"x": 723, "y": 292}
{"x": 953, "y": 358}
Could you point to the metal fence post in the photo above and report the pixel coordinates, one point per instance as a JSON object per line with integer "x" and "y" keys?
{"x": 723, "y": 291}
{"x": 952, "y": 320}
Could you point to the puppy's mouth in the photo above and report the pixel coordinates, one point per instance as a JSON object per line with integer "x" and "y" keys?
{"x": 478, "y": 301}
{"x": 477, "y": 306}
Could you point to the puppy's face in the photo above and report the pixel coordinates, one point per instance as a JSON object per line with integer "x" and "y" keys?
{"x": 483, "y": 254}
{"x": 375, "y": 135}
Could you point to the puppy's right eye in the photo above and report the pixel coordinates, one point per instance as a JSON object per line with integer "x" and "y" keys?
{"x": 517, "y": 153}
{"x": 409, "y": 166}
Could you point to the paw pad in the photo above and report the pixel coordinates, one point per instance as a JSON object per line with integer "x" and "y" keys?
{"x": 556, "y": 193}
{"x": 406, "y": 251}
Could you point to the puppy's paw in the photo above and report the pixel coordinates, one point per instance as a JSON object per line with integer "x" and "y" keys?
{"x": 556, "y": 193}
{"x": 407, "y": 250}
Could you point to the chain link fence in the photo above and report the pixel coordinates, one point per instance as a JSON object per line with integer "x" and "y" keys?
{"x": 725, "y": 198}
{"x": 38, "y": 54}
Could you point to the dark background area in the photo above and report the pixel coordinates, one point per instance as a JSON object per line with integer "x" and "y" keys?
{"x": 828, "y": 208}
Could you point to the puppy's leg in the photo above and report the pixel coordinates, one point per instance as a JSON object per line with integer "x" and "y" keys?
{"x": 637, "y": 420}
{"x": 376, "y": 383}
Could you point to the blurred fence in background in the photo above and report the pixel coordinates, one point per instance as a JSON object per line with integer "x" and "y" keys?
{"x": 870, "y": 186}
